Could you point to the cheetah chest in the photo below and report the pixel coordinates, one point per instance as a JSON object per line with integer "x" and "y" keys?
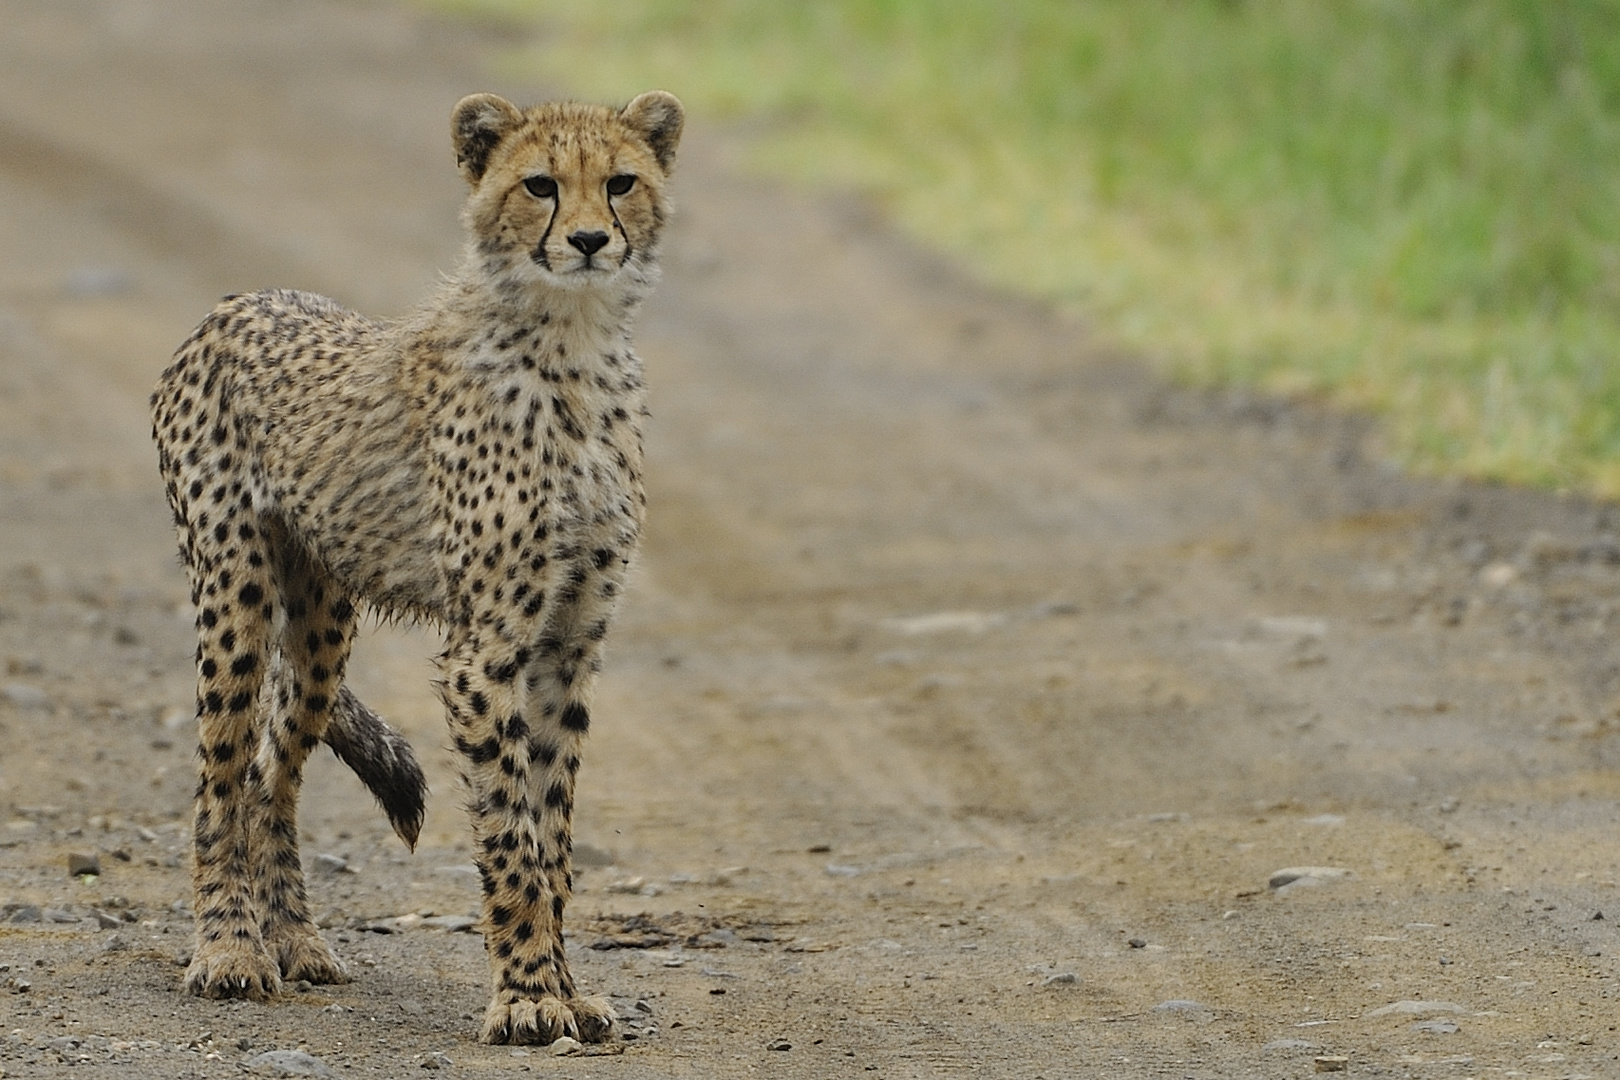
{"x": 538, "y": 468}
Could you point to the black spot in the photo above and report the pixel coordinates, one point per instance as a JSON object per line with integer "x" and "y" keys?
{"x": 251, "y": 594}
{"x": 241, "y": 702}
{"x": 480, "y": 753}
{"x": 244, "y": 664}
{"x": 575, "y": 717}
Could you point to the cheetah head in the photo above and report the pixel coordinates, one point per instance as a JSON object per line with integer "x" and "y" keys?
{"x": 567, "y": 194}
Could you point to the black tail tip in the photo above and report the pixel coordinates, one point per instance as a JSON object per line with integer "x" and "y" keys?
{"x": 383, "y": 760}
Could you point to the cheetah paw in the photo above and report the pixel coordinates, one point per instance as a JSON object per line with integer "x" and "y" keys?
{"x": 233, "y": 970}
{"x": 304, "y": 954}
{"x": 543, "y": 1021}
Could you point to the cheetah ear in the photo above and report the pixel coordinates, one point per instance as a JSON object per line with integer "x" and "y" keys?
{"x": 658, "y": 118}
{"x": 477, "y": 125}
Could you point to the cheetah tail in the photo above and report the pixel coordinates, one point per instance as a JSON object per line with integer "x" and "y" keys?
{"x": 382, "y": 759}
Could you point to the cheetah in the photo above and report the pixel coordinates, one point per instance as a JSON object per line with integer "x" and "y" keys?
{"x": 477, "y": 466}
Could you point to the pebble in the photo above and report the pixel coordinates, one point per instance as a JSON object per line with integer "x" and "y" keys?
{"x": 98, "y": 281}
{"x": 26, "y": 913}
{"x": 1180, "y": 1005}
{"x": 80, "y": 863}
{"x": 455, "y": 924}
{"x": 287, "y": 1063}
{"x": 717, "y": 939}
{"x": 1305, "y": 876}
{"x": 1332, "y": 1063}
{"x": 1436, "y": 1027}
{"x": 332, "y": 864}
{"x": 114, "y": 943}
{"x": 778, "y": 1044}
{"x": 565, "y": 1046}
{"x": 1062, "y": 978}
{"x": 437, "y": 1060}
{"x": 24, "y": 696}
{"x": 1416, "y": 1008}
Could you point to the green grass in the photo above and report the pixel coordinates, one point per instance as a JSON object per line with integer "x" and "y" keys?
{"x": 1411, "y": 206}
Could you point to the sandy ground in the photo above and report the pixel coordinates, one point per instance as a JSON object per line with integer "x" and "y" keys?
{"x": 972, "y": 689}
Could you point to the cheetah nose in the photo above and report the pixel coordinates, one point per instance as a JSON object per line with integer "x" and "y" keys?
{"x": 589, "y": 243}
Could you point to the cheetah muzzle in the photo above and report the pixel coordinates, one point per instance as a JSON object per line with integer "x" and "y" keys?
{"x": 476, "y": 465}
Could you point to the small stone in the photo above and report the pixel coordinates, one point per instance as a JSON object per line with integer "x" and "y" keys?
{"x": 1137, "y": 943}
{"x": 565, "y": 1046}
{"x": 98, "y": 281}
{"x": 114, "y": 943}
{"x": 1324, "y": 821}
{"x": 24, "y": 696}
{"x": 1305, "y": 876}
{"x": 1416, "y": 1008}
{"x": 1062, "y": 978}
{"x": 1436, "y": 1027}
{"x": 287, "y": 1063}
{"x": 454, "y": 924}
{"x": 332, "y": 864}
{"x": 26, "y": 913}
{"x": 436, "y": 1060}
{"x": 1181, "y": 1007}
{"x": 106, "y": 920}
{"x": 79, "y": 863}
{"x": 1332, "y": 1063}
{"x": 778, "y": 1044}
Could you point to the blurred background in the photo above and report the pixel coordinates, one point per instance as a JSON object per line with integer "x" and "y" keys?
{"x": 1407, "y": 207}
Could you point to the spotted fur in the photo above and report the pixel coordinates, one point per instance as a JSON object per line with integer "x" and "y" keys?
{"x": 477, "y": 466}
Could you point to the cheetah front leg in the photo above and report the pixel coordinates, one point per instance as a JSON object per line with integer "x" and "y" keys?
{"x": 519, "y": 765}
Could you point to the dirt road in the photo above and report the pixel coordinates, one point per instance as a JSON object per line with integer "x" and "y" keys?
{"x": 972, "y": 690}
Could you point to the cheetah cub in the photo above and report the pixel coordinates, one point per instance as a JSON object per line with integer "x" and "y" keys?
{"x": 476, "y": 465}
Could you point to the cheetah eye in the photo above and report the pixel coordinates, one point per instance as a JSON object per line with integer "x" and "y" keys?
{"x": 621, "y": 185}
{"x": 541, "y": 187}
